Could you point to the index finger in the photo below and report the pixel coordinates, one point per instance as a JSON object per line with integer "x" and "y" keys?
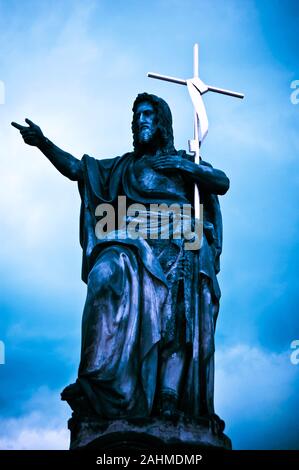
{"x": 17, "y": 126}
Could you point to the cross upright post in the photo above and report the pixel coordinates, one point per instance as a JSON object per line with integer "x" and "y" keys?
{"x": 195, "y": 144}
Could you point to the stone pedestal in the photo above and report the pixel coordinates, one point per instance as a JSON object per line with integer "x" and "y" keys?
{"x": 147, "y": 435}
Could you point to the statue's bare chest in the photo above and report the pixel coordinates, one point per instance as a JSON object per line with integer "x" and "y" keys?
{"x": 156, "y": 180}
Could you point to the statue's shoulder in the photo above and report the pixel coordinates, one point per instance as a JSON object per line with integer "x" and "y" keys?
{"x": 204, "y": 163}
{"x": 104, "y": 163}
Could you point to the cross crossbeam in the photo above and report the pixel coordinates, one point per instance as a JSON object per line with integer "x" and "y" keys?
{"x": 181, "y": 81}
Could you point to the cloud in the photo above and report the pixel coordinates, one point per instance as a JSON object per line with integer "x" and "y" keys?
{"x": 42, "y": 426}
{"x": 70, "y": 69}
{"x": 256, "y": 394}
{"x": 24, "y": 436}
{"x": 40, "y": 208}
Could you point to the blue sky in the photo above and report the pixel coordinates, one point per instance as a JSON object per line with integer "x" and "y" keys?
{"x": 75, "y": 67}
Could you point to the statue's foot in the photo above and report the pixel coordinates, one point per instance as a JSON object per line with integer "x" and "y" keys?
{"x": 168, "y": 407}
{"x": 171, "y": 414}
{"x": 217, "y": 424}
{"x": 71, "y": 392}
{"x": 77, "y": 400}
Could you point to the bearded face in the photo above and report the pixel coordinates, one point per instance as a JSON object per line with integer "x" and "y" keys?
{"x": 146, "y": 121}
{"x": 152, "y": 125}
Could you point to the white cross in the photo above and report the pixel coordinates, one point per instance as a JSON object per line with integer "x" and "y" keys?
{"x": 197, "y": 88}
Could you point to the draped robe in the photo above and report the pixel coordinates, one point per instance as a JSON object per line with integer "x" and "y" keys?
{"x": 130, "y": 315}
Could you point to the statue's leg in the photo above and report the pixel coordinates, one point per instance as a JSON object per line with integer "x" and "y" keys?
{"x": 173, "y": 355}
{"x": 110, "y": 335}
{"x": 207, "y": 369}
{"x": 172, "y": 373}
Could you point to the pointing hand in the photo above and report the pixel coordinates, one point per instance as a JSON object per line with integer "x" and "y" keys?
{"x": 32, "y": 135}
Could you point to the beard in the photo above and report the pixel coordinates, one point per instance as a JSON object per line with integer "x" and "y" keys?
{"x": 146, "y": 136}
{"x": 148, "y": 141}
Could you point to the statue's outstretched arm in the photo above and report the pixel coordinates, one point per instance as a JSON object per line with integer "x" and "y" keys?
{"x": 65, "y": 163}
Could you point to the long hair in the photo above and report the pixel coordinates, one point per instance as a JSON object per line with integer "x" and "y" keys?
{"x": 164, "y": 123}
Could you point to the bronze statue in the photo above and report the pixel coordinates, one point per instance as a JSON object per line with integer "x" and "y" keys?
{"x": 146, "y": 352}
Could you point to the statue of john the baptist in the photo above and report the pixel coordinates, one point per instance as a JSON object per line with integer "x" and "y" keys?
{"x": 140, "y": 349}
